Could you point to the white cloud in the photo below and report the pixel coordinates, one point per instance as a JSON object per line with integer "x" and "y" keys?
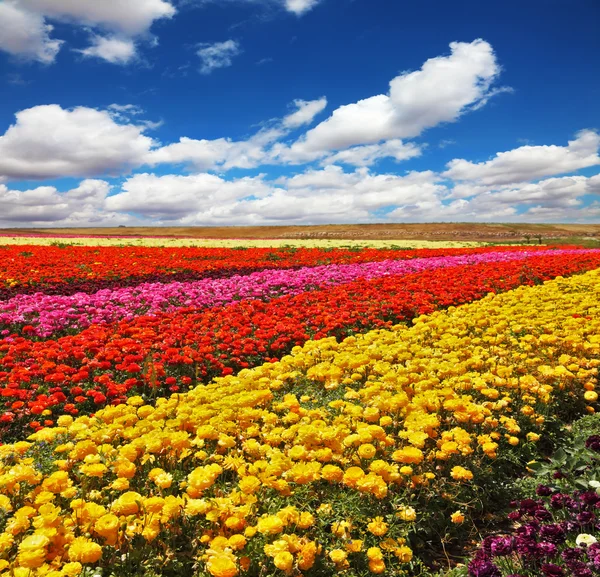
{"x": 220, "y": 153}
{"x": 217, "y": 55}
{"x": 306, "y": 110}
{"x": 299, "y": 7}
{"x": 442, "y": 90}
{"x": 224, "y": 153}
{"x": 45, "y": 205}
{"x": 132, "y": 17}
{"x": 112, "y": 49}
{"x": 529, "y": 162}
{"x": 173, "y": 197}
{"x": 370, "y": 153}
{"x": 325, "y": 195}
{"x": 25, "y": 34}
{"x": 51, "y": 142}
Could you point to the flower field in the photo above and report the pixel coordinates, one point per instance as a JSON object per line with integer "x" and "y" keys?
{"x": 277, "y": 411}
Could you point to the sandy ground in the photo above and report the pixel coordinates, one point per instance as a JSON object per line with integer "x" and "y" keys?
{"x": 429, "y": 231}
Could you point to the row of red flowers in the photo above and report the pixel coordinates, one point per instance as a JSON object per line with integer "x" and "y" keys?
{"x": 30, "y": 269}
{"x": 40, "y": 380}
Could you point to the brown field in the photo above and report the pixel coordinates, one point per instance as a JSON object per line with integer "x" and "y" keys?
{"x": 428, "y": 231}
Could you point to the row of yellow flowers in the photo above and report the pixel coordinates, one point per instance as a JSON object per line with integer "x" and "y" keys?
{"x": 334, "y": 458}
{"x": 233, "y": 243}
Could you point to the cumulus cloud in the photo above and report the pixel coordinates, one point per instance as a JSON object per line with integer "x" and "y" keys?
{"x": 305, "y": 113}
{"x": 442, "y": 90}
{"x": 132, "y": 17}
{"x": 46, "y": 205}
{"x": 51, "y": 142}
{"x": 370, "y": 153}
{"x": 26, "y": 35}
{"x": 529, "y": 162}
{"x": 112, "y": 49}
{"x": 217, "y": 55}
{"x": 333, "y": 195}
{"x": 24, "y": 30}
{"x": 299, "y": 7}
{"x": 173, "y": 197}
{"x": 224, "y": 153}
{"x": 324, "y": 195}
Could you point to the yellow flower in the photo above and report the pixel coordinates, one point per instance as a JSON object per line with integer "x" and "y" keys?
{"x": 408, "y": 455}
{"x": 5, "y": 504}
{"x": 377, "y": 566}
{"x": 367, "y": 451}
{"x": 378, "y": 527}
{"x": 72, "y": 569}
{"x": 164, "y": 480}
{"x": 404, "y": 554}
{"x": 270, "y": 525}
{"x": 354, "y": 546}
{"x": 338, "y": 556}
{"x": 237, "y": 542}
{"x": 221, "y": 566}
{"x": 306, "y": 520}
{"x": 107, "y": 526}
{"x": 84, "y": 550}
{"x": 249, "y": 484}
{"x": 590, "y": 396}
{"x": 332, "y": 473}
{"x": 284, "y": 561}
{"x": 461, "y": 474}
{"x": 374, "y": 554}
{"x": 406, "y": 514}
{"x": 514, "y": 441}
{"x": 127, "y": 503}
{"x": 457, "y": 517}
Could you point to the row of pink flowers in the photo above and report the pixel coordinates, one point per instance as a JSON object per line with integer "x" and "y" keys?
{"x": 46, "y": 315}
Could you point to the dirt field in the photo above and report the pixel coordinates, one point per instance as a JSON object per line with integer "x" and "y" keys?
{"x": 432, "y": 231}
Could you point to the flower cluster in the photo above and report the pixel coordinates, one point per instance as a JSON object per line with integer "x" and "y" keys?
{"x": 557, "y": 536}
{"x": 41, "y": 380}
{"x": 49, "y": 314}
{"x": 49, "y": 269}
{"x": 337, "y": 456}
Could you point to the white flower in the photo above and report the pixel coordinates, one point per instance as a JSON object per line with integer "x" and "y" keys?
{"x": 585, "y": 540}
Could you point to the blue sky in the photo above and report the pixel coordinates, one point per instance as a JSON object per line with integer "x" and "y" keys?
{"x": 210, "y": 112}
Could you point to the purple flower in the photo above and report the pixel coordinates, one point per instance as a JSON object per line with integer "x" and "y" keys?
{"x": 528, "y": 505}
{"x": 527, "y": 547}
{"x": 501, "y": 546}
{"x": 557, "y": 501}
{"x": 530, "y": 530}
{"x": 593, "y": 443}
{"x": 585, "y": 517}
{"x": 547, "y": 549}
{"x": 542, "y": 515}
{"x": 579, "y": 569}
{"x": 551, "y": 570}
{"x": 571, "y": 554}
{"x": 553, "y": 533}
{"x": 543, "y": 491}
{"x": 483, "y": 568}
{"x": 589, "y": 497}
